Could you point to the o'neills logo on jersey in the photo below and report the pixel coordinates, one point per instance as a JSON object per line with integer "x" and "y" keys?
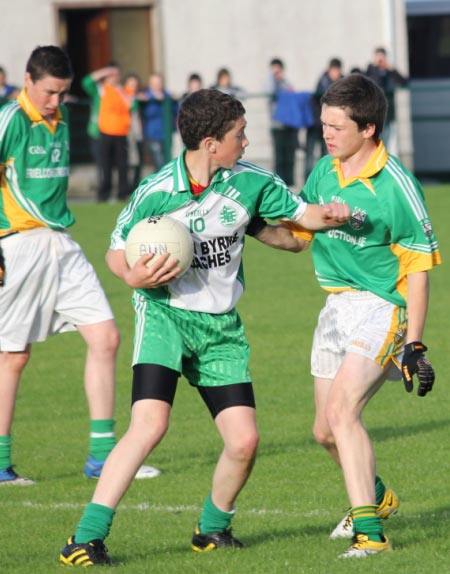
{"x": 37, "y": 150}
{"x": 213, "y": 253}
{"x": 357, "y": 218}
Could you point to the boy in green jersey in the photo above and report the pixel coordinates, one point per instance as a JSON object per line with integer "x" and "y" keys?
{"x": 47, "y": 285}
{"x": 189, "y": 325}
{"x": 376, "y": 270}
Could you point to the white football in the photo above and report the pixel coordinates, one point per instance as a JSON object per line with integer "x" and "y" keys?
{"x": 160, "y": 234}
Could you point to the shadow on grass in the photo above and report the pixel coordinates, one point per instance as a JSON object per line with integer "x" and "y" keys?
{"x": 424, "y": 528}
{"x": 263, "y": 537}
{"x": 379, "y": 434}
{"x": 389, "y": 432}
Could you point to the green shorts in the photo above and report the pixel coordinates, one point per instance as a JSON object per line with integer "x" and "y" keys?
{"x": 209, "y": 350}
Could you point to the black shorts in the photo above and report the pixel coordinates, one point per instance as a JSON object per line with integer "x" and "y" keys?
{"x": 152, "y": 381}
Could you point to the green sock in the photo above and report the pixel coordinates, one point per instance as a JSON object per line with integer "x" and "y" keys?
{"x": 366, "y": 521}
{"x": 95, "y": 523}
{"x": 380, "y": 489}
{"x": 102, "y": 438}
{"x": 213, "y": 519}
{"x": 5, "y": 452}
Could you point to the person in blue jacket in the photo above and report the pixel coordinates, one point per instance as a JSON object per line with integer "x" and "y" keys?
{"x": 159, "y": 113}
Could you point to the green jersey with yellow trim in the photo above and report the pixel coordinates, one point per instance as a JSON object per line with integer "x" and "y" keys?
{"x": 217, "y": 220}
{"x": 389, "y": 234}
{"x": 34, "y": 168}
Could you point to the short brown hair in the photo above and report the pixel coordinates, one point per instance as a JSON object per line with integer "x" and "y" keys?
{"x": 364, "y": 100}
{"x": 49, "y": 61}
{"x": 207, "y": 113}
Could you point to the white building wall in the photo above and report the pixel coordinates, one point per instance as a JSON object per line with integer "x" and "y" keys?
{"x": 23, "y": 26}
{"x": 203, "y": 35}
{"x": 245, "y": 34}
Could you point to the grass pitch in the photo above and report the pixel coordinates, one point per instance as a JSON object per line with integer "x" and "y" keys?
{"x": 295, "y": 495}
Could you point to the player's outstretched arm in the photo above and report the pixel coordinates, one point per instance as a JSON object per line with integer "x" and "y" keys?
{"x": 323, "y": 216}
{"x": 280, "y": 237}
{"x": 145, "y": 274}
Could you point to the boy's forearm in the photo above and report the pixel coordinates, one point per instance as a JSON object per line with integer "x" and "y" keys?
{"x": 317, "y": 217}
{"x": 280, "y": 237}
{"x": 417, "y": 305}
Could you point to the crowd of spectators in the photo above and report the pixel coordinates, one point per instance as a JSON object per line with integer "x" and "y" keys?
{"x": 131, "y": 123}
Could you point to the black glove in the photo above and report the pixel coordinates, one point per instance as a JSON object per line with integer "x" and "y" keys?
{"x": 415, "y": 362}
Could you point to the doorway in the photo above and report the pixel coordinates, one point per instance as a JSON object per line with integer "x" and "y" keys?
{"x": 94, "y": 38}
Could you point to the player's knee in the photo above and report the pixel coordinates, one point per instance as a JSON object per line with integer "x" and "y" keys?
{"x": 102, "y": 339}
{"x": 110, "y": 340}
{"x": 245, "y": 448}
{"x": 339, "y": 415}
{"x": 157, "y": 431}
{"x": 146, "y": 426}
{"x": 324, "y": 437}
{"x": 113, "y": 339}
{"x": 14, "y": 362}
{"x": 251, "y": 444}
{"x": 147, "y": 436}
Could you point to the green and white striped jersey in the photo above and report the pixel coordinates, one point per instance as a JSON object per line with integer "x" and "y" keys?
{"x": 34, "y": 168}
{"x": 217, "y": 220}
{"x": 389, "y": 234}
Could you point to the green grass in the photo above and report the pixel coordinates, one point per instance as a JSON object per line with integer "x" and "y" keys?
{"x": 295, "y": 495}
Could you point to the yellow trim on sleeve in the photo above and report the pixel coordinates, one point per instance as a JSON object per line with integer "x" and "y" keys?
{"x": 412, "y": 262}
{"x": 298, "y": 230}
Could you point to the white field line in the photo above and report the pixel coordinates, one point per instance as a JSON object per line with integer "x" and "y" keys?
{"x": 143, "y": 507}
{"x": 154, "y": 508}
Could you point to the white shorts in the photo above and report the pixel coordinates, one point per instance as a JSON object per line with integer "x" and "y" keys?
{"x": 358, "y": 322}
{"x": 50, "y": 287}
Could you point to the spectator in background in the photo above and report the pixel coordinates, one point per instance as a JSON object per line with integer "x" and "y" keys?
{"x": 7, "y": 92}
{"x": 159, "y": 120}
{"x": 114, "y": 121}
{"x": 284, "y": 136}
{"x": 388, "y": 78}
{"x": 194, "y": 84}
{"x": 91, "y": 84}
{"x": 224, "y": 84}
{"x": 314, "y": 134}
{"x": 135, "y": 135}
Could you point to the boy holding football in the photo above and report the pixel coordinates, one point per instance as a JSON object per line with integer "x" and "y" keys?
{"x": 376, "y": 270}
{"x": 188, "y": 324}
